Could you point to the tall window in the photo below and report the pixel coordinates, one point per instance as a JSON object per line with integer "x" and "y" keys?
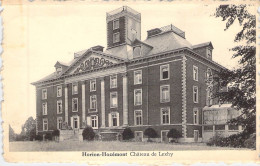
{"x": 209, "y": 76}
{"x": 94, "y": 121}
{"x": 45, "y": 124}
{"x": 116, "y": 24}
{"x": 59, "y": 123}
{"x": 58, "y": 70}
{"x": 138, "y": 97}
{"x": 164, "y": 72}
{"x": 59, "y": 106}
{"x": 113, "y": 99}
{"x": 75, "y": 105}
{"x": 138, "y": 117}
{"x": 195, "y": 73}
{"x": 165, "y": 115}
{"x": 195, "y": 115}
{"x": 92, "y": 85}
{"x": 113, "y": 81}
{"x": 59, "y": 91}
{"x": 44, "y": 108}
{"x": 195, "y": 94}
{"x": 44, "y": 94}
{"x": 114, "y": 119}
{"x": 209, "y": 95}
{"x": 75, "y": 88}
{"x": 165, "y": 93}
{"x": 138, "y": 77}
{"x": 93, "y": 102}
{"x": 116, "y": 37}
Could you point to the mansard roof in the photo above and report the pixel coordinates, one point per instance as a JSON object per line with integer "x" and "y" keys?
{"x": 203, "y": 45}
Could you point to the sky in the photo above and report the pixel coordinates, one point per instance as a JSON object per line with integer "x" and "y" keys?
{"x": 37, "y": 36}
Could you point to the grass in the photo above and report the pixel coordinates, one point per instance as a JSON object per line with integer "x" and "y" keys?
{"x": 107, "y": 146}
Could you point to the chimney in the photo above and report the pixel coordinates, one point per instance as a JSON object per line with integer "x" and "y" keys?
{"x": 153, "y": 32}
{"x": 97, "y": 48}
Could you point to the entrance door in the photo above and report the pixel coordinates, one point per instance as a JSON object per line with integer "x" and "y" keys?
{"x": 164, "y": 136}
{"x": 196, "y": 135}
{"x": 75, "y": 122}
{"x": 139, "y": 136}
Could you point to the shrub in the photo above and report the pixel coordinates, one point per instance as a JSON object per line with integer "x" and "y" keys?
{"x": 251, "y": 142}
{"x": 88, "y": 134}
{"x": 56, "y": 133}
{"x": 38, "y": 137}
{"x": 127, "y": 134}
{"x": 175, "y": 134}
{"x": 48, "y": 136}
{"x": 150, "y": 133}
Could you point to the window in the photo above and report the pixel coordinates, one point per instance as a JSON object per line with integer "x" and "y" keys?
{"x": 165, "y": 93}
{"x": 209, "y": 53}
{"x": 164, "y": 72}
{"x": 195, "y": 73}
{"x": 138, "y": 117}
{"x": 59, "y": 123}
{"x": 45, "y": 124}
{"x": 44, "y": 94}
{"x": 75, "y": 105}
{"x": 114, "y": 119}
{"x": 137, "y": 51}
{"x": 116, "y": 24}
{"x": 138, "y": 77}
{"x": 116, "y": 37}
{"x": 195, "y": 116}
{"x": 94, "y": 121}
{"x": 209, "y": 95}
{"x": 59, "y": 106}
{"x": 75, "y": 88}
{"x": 59, "y": 91}
{"x": 59, "y": 70}
{"x": 138, "y": 97}
{"x": 44, "y": 108}
{"x": 93, "y": 102}
{"x": 113, "y": 99}
{"x": 195, "y": 94}
{"x": 165, "y": 115}
{"x": 92, "y": 85}
{"x": 113, "y": 81}
{"x": 209, "y": 76}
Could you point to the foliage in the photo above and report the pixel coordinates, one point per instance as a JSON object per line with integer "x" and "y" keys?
{"x": 88, "y": 134}
{"x": 251, "y": 142}
{"x": 38, "y": 137}
{"x": 173, "y": 133}
{"x": 56, "y": 133}
{"x": 150, "y": 133}
{"x": 241, "y": 81}
{"x": 28, "y": 129}
{"x": 48, "y": 136}
{"x": 12, "y": 135}
{"x": 239, "y": 140}
{"x": 127, "y": 134}
{"x": 32, "y": 134}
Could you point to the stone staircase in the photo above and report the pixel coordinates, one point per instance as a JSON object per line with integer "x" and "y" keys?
{"x": 110, "y": 134}
{"x": 72, "y": 135}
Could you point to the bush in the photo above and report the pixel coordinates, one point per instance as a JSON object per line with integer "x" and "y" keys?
{"x": 251, "y": 142}
{"x": 56, "y": 133}
{"x": 48, "y": 136}
{"x": 150, "y": 133}
{"x": 175, "y": 134}
{"x": 88, "y": 134}
{"x": 38, "y": 137}
{"x": 127, "y": 134}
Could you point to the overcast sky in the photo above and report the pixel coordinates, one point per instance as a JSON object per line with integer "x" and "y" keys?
{"x": 36, "y": 36}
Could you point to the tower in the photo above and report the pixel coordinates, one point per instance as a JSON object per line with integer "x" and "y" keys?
{"x": 123, "y": 27}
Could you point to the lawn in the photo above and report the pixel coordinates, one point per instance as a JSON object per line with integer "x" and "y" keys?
{"x": 108, "y": 146}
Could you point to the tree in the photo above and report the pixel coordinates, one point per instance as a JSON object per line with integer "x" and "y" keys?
{"x": 175, "y": 134}
{"x": 127, "y": 134}
{"x": 150, "y": 133}
{"x": 88, "y": 134}
{"x": 241, "y": 81}
{"x": 32, "y": 134}
{"x": 28, "y": 129}
{"x": 12, "y": 135}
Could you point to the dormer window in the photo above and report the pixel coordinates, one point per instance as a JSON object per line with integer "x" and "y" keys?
{"x": 116, "y": 24}
{"x": 59, "y": 70}
{"x": 209, "y": 53}
{"x": 137, "y": 51}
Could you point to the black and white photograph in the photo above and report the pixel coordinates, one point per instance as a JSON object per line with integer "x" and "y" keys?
{"x": 127, "y": 80}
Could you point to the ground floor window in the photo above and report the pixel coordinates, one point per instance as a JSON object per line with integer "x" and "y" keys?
{"x": 45, "y": 124}
{"x": 94, "y": 121}
{"x": 165, "y": 115}
{"x": 139, "y": 136}
{"x": 59, "y": 123}
{"x": 138, "y": 117}
{"x": 113, "y": 119}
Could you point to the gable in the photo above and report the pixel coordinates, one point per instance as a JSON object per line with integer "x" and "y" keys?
{"x": 91, "y": 61}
